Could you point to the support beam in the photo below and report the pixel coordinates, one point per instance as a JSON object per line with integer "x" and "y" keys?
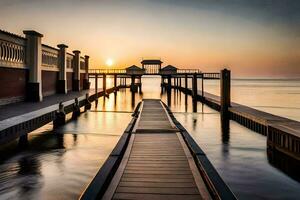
{"x": 132, "y": 85}
{"x": 115, "y": 83}
{"x": 179, "y": 81}
{"x": 225, "y": 93}
{"x": 186, "y": 81}
{"x": 169, "y": 84}
{"x": 202, "y": 86}
{"x": 225, "y": 103}
{"x": 194, "y": 89}
{"x": 104, "y": 83}
{"x": 140, "y": 85}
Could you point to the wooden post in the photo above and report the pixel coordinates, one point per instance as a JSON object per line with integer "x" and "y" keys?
{"x": 194, "y": 92}
{"x": 140, "y": 85}
{"x": 179, "y": 81}
{"x": 104, "y": 84}
{"x": 186, "y": 82}
{"x": 96, "y": 85}
{"x": 132, "y": 85}
{"x": 96, "y": 90}
{"x": 202, "y": 86}
{"x": 225, "y": 93}
{"x": 194, "y": 86}
{"x": 225, "y": 103}
{"x": 115, "y": 82}
{"x": 169, "y": 84}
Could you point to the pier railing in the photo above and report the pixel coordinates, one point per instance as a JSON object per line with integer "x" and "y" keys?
{"x": 107, "y": 71}
{"x": 188, "y": 71}
{"x": 12, "y": 50}
{"x": 211, "y": 75}
{"x": 50, "y": 58}
{"x": 35, "y": 69}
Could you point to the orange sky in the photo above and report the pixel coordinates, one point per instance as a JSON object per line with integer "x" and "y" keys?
{"x": 251, "y": 39}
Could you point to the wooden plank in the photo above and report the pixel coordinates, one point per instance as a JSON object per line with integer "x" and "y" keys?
{"x": 155, "y": 184}
{"x": 162, "y": 190}
{"x": 155, "y": 196}
{"x": 157, "y": 180}
{"x": 173, "y": 172}
{"x": 157, "y": 167}
{"x": 170, "y": 176}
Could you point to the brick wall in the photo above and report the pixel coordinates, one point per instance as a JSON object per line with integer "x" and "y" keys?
{"x": 69, "y": 80}
{"x": 49, "y": 82}
{"x": 13, "y": 85}
{"x": 82, "y": 75}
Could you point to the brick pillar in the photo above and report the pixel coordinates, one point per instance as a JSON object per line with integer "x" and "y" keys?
{"x": 34, "y": 63}
{"x": 86, "y": 83}
{"x": 62, "y": 64}
{"x": 76, "y": 71}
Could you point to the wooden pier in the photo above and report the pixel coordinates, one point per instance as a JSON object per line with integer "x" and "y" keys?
{"x": 282, "y": 134}
{"x": 159, "y": 161}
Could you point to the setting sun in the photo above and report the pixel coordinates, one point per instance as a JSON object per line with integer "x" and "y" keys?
{"x": 109, "y": 62}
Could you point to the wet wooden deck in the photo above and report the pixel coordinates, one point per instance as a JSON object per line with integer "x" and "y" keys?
{"x": 157, "y": 163}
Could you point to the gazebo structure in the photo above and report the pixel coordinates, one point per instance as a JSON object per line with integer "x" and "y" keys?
{"x": 136, "y": 73}
{"x": 168, "y": 70}
{"x": 151, "y": 66}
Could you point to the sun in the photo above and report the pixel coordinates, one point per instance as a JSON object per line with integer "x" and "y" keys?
{"x": 109, "y": 62}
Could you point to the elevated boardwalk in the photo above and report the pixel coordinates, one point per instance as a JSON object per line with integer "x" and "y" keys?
{"x": 157, "y": 164}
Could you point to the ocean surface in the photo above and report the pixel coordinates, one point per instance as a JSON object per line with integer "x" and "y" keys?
{"x": 60, "y": 163}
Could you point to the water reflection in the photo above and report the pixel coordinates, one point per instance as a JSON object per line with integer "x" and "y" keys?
{"x": 284, "y": 163}
{"x": 73, "y": 153}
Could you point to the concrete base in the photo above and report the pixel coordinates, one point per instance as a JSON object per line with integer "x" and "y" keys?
{"x": 62, "y": 86}
{"x": 76, "y": 85}
{"x": 86, "y": 84}
{"x": 33, "y": 92}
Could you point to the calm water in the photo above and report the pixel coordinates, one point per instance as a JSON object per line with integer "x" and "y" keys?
{"x": 58, "y": 164}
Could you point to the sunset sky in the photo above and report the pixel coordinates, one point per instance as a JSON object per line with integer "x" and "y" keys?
{"x": 251, "y": 37}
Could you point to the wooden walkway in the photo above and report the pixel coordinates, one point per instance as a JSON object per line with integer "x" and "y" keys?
{"x": 157, "y": 163}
